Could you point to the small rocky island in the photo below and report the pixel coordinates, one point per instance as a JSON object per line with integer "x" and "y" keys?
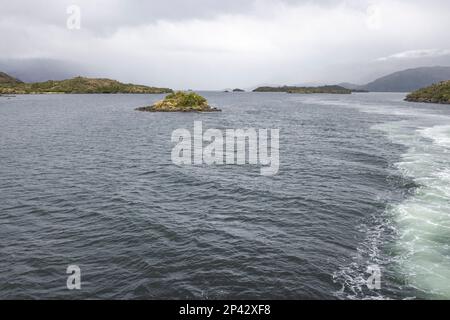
{"x": 437, "y": 93}
{"x": 181, "y": 102}
{"x": 238, "y": 90}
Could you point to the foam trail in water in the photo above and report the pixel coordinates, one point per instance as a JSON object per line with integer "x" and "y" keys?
{"x": 439, "y": 134}
{"x": 423, "y": 220}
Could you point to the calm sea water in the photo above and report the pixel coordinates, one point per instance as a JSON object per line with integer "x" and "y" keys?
{"x": 86, "y": 180}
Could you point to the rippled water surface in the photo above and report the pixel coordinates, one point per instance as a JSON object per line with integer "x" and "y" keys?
{"x": 86, "y": 180}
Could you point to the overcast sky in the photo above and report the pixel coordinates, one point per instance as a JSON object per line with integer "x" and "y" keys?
{"x": 204, "y": 44}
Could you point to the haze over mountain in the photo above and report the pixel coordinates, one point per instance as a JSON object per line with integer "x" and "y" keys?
{"x": 7, "y": 79}
{"x": 401, "y": 81}
{"x": 39, "y": 70}
{"x": 351, "y": 86}
{"x": 409, "y": 80}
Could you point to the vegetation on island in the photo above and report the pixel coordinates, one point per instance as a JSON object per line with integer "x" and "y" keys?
{"x": 181, "y": 102}
{"x": 238, "y": 90}
{"x": 436, "y": 93}
{"x": 78, "y": 85}
{"x": 323, "y": 89}
{"x": 305, "y": 90}
{"x": 274, "y": 89}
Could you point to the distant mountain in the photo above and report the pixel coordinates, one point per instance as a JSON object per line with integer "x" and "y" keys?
{"x": 437, "y": 93}
{"x": 351, "y": 86}
{"x": 78, "y": 85}
{"x": 7, "y": 79}
{"x": 409, "y": 80}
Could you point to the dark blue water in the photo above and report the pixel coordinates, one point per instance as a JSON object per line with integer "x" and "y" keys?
{"x": 86, "y": 180}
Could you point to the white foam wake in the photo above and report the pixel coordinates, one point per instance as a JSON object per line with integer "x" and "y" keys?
{"x": 439, "y": 134}
{"x": 423, "y": 220}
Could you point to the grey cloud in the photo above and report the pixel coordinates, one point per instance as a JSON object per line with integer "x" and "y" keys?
{"x": 217, "y": 44}
{"x": 100, "y": 15}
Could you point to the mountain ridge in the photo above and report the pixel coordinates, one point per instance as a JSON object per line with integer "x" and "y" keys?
{"x": 407, "y": 80}
{"x": 7, "y": 79}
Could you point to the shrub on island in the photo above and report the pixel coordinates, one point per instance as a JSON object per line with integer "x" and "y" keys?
{"x": 181, "y": 102}
{"x": 437, "y": 93}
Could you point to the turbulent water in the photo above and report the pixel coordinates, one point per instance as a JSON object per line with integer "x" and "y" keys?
{"x": 85, "y": 180}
